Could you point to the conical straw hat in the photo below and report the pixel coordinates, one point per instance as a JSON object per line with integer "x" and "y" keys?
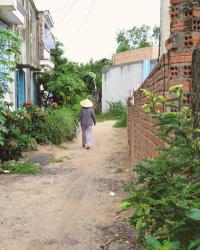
{"x": 86, "y": 103}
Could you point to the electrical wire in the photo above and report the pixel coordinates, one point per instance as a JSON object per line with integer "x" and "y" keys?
{"x": 82, "y": 23}
{"x": 67, "y": 13}
{"x": 64, "y": 17}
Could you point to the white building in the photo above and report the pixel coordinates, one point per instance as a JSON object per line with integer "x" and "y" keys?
{"x": 34, "y": 27}
{"x": 129, "y": 71}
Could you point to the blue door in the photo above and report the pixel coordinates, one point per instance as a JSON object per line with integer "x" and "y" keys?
{"x": 20, "y": 88}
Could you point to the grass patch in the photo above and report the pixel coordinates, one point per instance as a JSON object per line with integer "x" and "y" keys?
{"x": 24, "y": 168}
{"x": 122, "y": 122}
{"x": 107, "y": 117}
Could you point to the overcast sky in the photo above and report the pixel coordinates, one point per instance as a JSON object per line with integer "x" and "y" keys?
{"x": 87, "y": 28}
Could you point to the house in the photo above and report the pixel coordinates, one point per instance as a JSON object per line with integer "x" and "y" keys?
{"x": 34, "y": 27}
{"x": 129, "y": 70}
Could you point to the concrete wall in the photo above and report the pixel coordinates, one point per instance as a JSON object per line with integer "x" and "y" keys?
{"x": 118, "y": 81}
{"x": 164, "y": 24}
{"x": 135, "y": 55}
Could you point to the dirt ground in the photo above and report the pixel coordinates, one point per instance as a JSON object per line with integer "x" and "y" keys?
{"x": 69, "y": 206}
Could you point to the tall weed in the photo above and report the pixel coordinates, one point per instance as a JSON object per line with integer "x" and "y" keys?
{"x": 59, "y": 126}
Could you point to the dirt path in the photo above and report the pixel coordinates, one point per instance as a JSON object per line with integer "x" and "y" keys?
{"x": 68, "y": 206}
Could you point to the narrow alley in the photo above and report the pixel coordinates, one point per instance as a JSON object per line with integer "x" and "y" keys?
{"x": 74, "y": 203}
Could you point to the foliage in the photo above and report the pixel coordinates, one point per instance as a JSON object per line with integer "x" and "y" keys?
{"x": 106, "y": 117}
{"x": 9, "y": 50}
{"x": 59, "y": 126}
{"x": 69, "y": 79}
{"x": 137, "y": 37}
{"x": 122, "y": 122}
{"x": 75, "y": 108}
{"x": 23, "y": 168}
{"x": 117, "y": 108}
{"x": 63, "y": 82}
{"x": 117, "y": 111}
{"x": 10, "y": 44}
{"x": 3, "y": 129}
{"x": 32, "y": 123}
{"x": 166, "y": 196}
{"x": 36, "y": 119}
{"x": 94, "y": 67}
{"x": 15, "y": 139}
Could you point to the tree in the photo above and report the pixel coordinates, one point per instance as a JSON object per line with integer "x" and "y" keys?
{"x": 70, "y": 81}
{"x": 10, "y": 44}
{"x": 63, "y": 83}
{"x": 137, "y": 37}
{"x": 91, "y": 68}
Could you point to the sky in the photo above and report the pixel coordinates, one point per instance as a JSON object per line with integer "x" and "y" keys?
{"x": 88, "y": 28}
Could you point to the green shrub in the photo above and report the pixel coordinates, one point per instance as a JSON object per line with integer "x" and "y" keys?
{"x": 23, "y": 168}
{"x": 38, "y": 117}
{"x": 59, "y": 126}
{"x": 116, "y": 108}
{"x": 166, "y": 195}
{"x": 117, "y": 111}
{"x": 15, "y": 138}
{"x": 122, "y": 122}
{"x": 106, "y": 117}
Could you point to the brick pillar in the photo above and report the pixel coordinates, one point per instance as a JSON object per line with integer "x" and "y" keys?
{"x": 174, "y": 67}
{"x": 184, "y": 36}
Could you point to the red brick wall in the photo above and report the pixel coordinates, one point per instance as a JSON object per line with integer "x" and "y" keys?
{"x": 172, "y": 68}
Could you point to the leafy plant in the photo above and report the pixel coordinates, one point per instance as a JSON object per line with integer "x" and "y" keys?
{"x": 59, "y": 126}
{"x": 106, "y": 116}
{"x": 122, "y": 122}
{"x": 166, "y": 195}
{"x": 116, "y": 108}
{"x": 64, "y": 82}
{"x": 10, "y": 44}
{"x": 23, "y": 168}
{"x": 36, "y": 119}
{"x": 137, "y": 37}
{"x": 70, "y": 79}
{"x": 15, "y": 140}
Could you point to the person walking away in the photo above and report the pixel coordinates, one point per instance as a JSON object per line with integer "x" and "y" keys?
{"x": 86, "y": 120}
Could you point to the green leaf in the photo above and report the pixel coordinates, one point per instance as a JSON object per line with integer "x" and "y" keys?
{"x": 151, "y": 241}
{"x": 174, "y": 245}
{"x": 194, "y": 244}
{"x": 194, "y": 214}
{"x": 125, "y": 204}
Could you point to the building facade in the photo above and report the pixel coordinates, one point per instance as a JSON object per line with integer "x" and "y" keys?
{"x": 22, "y": 17}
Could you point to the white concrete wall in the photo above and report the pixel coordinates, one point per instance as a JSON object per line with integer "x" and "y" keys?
{"x": 118, "y": 81}
{"x": 164, "y": 24}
